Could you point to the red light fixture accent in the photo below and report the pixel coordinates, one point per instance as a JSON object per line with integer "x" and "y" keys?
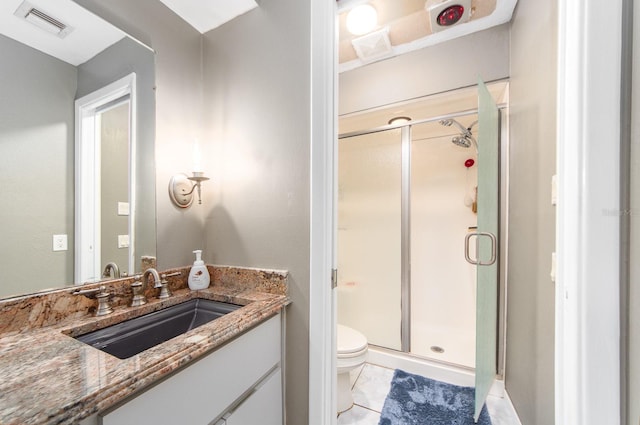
{"x": 450, "y": 15}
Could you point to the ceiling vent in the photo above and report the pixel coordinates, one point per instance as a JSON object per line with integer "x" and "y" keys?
{"x": 448, "y": 13}
{"x": 375, "y": 45}
{"x": 42, "y": 20}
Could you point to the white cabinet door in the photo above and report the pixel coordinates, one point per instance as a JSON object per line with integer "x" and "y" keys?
{"x": 264, "y": 407}
{"x": 204, "y": 390}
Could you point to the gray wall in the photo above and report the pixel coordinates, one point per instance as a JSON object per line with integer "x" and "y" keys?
{"x": 447, "y": 66}
{"x": 257, "y": 84}
{"x": 117, "y": 61}
{"x": 530, "y": 321}
{"x": 36, "y": 147}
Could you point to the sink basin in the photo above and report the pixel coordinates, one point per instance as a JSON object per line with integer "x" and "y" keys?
{"x": 133, "y": 336}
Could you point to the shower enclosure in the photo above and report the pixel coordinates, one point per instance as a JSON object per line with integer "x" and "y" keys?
{"x": 409, "y": 196}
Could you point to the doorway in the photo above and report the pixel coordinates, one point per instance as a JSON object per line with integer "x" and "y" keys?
{"x": 105, "y": 153}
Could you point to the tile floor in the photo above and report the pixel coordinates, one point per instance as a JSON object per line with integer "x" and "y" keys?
{"x": 371, "y": 385}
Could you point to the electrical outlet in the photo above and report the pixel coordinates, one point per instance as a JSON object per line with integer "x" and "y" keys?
{"x": 60, "y": 242}
{"x": 123, "y": 241}
{"x": 123, "y": 208}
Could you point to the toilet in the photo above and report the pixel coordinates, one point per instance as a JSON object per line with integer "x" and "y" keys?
{"x": 352, "y": 352}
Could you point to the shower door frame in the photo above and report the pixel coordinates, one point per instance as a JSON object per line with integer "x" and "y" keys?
{"x": 405, "y": 227}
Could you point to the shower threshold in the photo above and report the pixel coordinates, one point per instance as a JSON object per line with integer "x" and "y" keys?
{"x": 434, "y": 369}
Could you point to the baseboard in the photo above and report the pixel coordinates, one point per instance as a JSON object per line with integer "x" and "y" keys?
{"x": 507, "y": 400}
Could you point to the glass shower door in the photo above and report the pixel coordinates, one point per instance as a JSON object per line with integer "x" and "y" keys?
{"x": 369, "y": 236}
{"x": 486, "y": 245}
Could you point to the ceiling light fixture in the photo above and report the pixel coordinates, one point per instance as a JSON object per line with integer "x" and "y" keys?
{"x": 399, "y": 120}
{"x": 362, "y": 19}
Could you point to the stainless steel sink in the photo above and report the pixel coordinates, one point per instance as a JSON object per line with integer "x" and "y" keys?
{"x": 133, "y": 336}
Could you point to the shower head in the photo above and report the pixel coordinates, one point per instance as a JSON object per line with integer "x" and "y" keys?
{"x": 462, "y": 141}
{"x": 465, "y": 139}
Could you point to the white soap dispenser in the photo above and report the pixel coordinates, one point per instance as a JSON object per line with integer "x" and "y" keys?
{"x": 199, "y": 275}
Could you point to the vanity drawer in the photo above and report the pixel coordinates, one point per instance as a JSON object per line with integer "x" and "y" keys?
{"x": 204, "y": 390}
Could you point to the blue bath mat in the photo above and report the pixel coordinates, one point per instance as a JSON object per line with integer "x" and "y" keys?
{"x": 416, "y": 400}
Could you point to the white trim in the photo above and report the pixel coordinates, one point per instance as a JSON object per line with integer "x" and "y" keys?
{"x": 322, "y": 357}
{"x": 133, "y": 171}
{"x": 87, "y": 186}
{"x": 587, "y": 237}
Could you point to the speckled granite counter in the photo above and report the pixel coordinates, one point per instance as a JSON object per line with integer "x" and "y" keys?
{"x": 48, "y": 377}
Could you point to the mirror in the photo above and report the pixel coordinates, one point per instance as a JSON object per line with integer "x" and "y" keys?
{"x": 43, "y": 75}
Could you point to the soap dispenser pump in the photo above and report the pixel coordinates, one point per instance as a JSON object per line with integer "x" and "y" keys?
{"x": 199, "y": 275}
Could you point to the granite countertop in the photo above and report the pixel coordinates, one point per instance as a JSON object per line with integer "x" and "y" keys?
{"x": 48, "y": 377}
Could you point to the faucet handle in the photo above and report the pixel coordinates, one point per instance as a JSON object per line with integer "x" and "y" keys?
{"x": 164, "y": 287}
{"x": 103, "y": 302}
{"x": 138, "y": 295}
{"x": 101, "y": 295}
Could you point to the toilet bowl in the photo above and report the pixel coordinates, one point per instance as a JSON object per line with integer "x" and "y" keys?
{"x": 352, "y": 352}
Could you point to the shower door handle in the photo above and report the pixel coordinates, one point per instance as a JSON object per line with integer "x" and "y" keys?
{"x": 477, "y": 261}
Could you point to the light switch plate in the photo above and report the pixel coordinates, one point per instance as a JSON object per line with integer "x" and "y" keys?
{"x": 123, "y": 208}
{"x": 60, "y": 243}
{"x": 123, "y": 241}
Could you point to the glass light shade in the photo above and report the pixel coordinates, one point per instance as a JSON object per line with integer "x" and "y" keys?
{"x": 362, "y": 19}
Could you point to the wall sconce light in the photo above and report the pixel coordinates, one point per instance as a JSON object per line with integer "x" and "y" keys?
{"x": 181, "y": 188}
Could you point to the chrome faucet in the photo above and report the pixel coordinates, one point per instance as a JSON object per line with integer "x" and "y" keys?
{"x": 158, "y": 282}
{"x": 156, "y": 277}
{"x": 138, "y": 286}
{"x": 111, "y": 270}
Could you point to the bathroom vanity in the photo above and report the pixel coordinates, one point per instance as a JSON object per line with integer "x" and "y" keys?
{"x": 238, "y": 383}
{"x": 222, "y": 372}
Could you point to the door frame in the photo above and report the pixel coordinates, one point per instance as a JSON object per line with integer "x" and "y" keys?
{"x": 322, "y": 299}
{"x": 87, "y": 180}
{"x": 587, "y": 360}
{"x": 587, "y": 382}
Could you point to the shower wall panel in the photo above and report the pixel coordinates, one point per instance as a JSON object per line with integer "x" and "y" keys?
{"x": 369, "y": 251}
